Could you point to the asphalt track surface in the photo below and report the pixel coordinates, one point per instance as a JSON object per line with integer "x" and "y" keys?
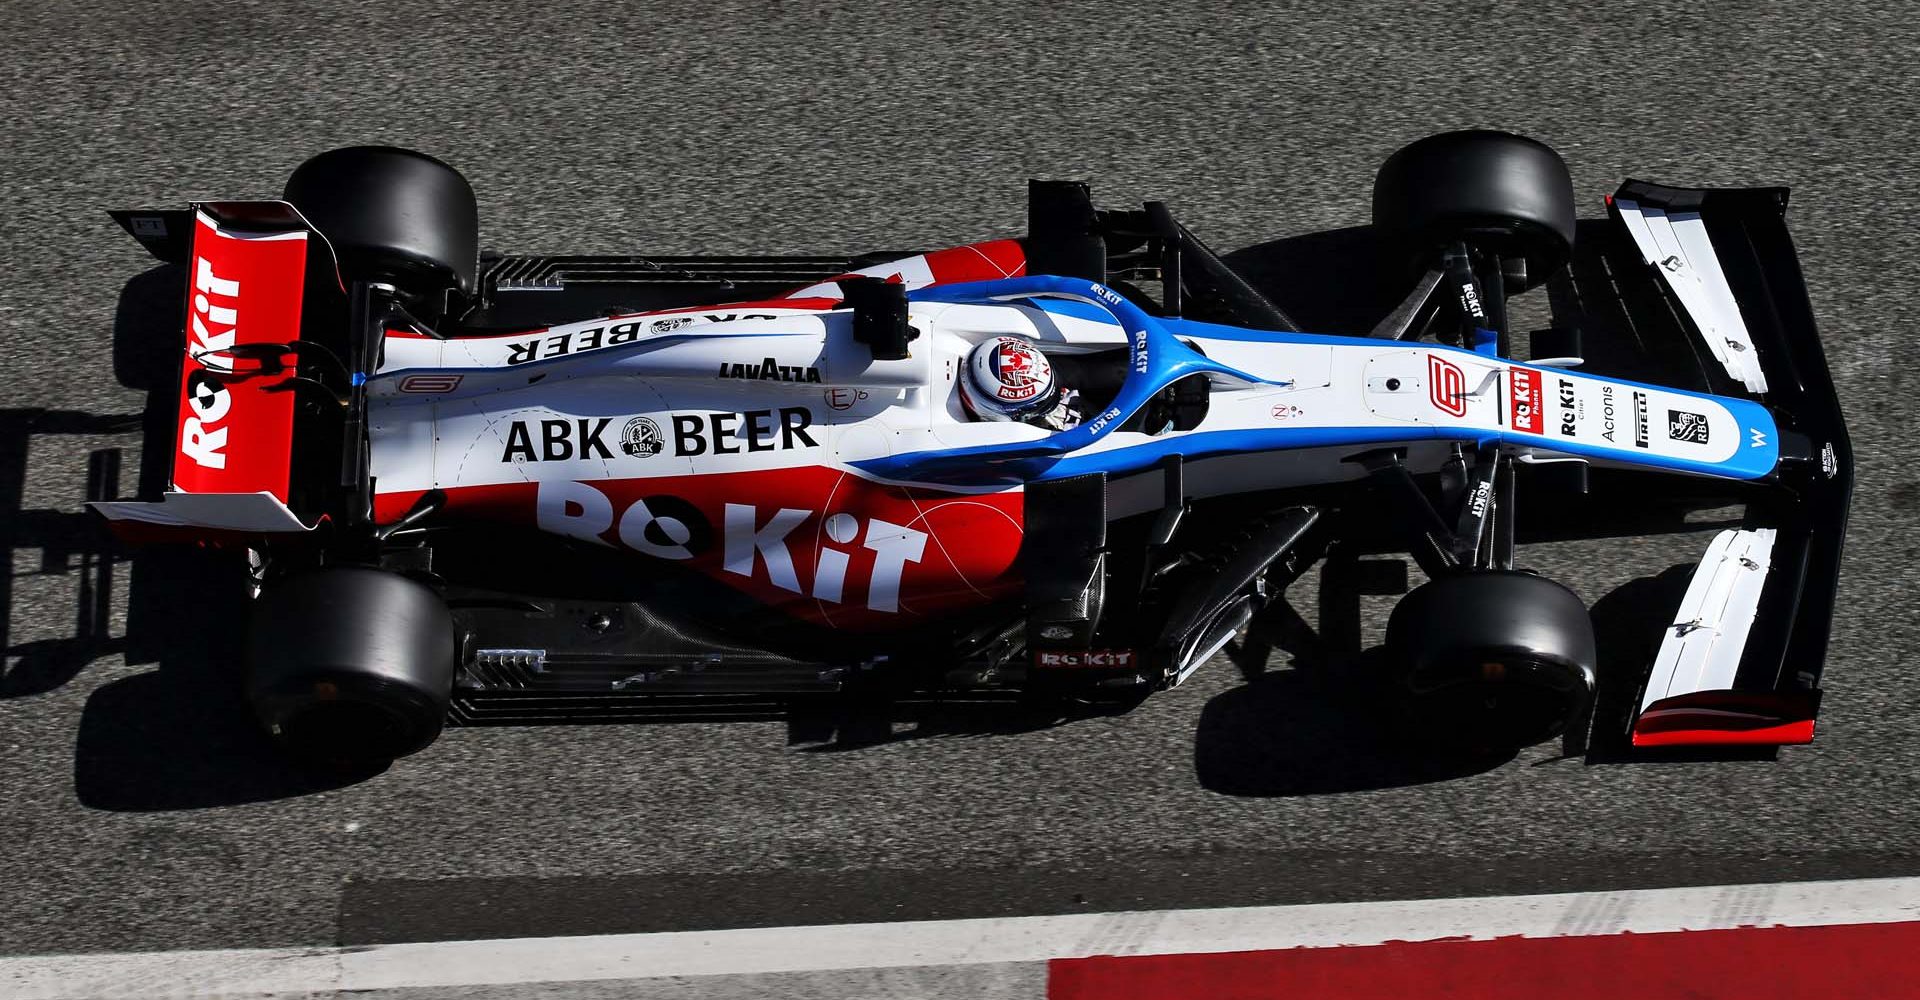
{"x": 140, "y": 812}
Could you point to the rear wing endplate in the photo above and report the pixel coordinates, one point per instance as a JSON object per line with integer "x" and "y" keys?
{"x": 233, "y": 438}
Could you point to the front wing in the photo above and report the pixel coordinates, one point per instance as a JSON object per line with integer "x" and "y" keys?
{"x": 1741, "y": 657}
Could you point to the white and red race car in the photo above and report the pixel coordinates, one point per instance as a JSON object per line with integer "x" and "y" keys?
{"x": 1007, "y": 466}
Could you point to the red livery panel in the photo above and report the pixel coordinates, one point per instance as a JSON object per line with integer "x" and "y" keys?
{"x": 1524, "y": 399}
{"x": 820, "y": 543}
{"x": 235, "y": 421}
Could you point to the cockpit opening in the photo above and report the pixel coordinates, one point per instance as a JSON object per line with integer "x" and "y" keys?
{"x": 1014, "y": 379}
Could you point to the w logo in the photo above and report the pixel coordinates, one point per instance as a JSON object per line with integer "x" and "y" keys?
{"x": 1447, "y": 386}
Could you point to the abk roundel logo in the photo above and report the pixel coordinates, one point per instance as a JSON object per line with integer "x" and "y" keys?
{"x": 1446, "y": 386}
{"x": 641, "y": 438}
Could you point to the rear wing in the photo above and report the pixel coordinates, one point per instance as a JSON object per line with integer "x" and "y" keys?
{"x": 232, "y": 465}
{"x": 1741, "y": 659}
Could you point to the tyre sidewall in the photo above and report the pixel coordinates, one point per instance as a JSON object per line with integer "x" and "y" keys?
{"x": 349, "y": 663}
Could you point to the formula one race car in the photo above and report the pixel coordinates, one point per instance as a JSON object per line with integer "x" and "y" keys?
{"x": 1077, "y": 463}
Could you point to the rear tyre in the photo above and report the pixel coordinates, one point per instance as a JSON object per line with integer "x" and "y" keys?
{"x": 1502, "y": 193}
{"x": 1493, "y": 659}
{"x": 350, "y": 666}
{"x": 393, "y": 215}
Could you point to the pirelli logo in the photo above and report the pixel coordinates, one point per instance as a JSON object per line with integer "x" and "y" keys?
{"x": 1446, "y": 386}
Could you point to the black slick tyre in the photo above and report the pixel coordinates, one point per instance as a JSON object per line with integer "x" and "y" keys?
{"x": 1492, "y": 658}
{"x": 1500, "y": 192}
{"x": 393, "y": 215}
{"x": 348, "y": 665}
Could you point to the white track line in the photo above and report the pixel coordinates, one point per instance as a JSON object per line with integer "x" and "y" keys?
{"x": 951, "y": 942}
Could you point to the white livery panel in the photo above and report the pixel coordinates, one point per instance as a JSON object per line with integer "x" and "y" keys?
{"x": 1676, "y": 245}
{"x": 1702, "y": 647}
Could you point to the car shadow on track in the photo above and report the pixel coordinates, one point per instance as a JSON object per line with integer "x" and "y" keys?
{"x": 69, "y": 543}
{"x": 814, "y": 723}
{"x": 1308, "y": 731}
{"x": 182, "y": 736}
{"x": 75, "y": 541}
{"x": 1317, "y": 729}
{"x": 1629, "y": 623}
{"x": 1312, "y": 278}
{"x": 178, "y": 736}
{"x": 860, "y": 727}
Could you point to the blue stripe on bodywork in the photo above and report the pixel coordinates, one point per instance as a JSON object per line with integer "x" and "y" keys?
{"x": 1052, "y": 457}
{"x": 1205, "y": 444}
{"x": 1156, "y": 358}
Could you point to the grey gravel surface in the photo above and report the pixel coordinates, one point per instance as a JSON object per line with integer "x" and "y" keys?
{"x": 138, "y": 814}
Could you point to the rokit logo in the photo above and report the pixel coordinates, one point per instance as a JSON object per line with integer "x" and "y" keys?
{"x": 751, "y": 542}
{"x": 1688, "y": 427}
{"x": 770, "y": 370}
{"x": 1569, "y": 408}
{"x": 1478, "y": 500}
{"x": 1525, "y": 403}
{"x": 555, "y": 345}
{"x": 1446, "y": 386}
{"x": 1118, "y": 658}
{"x": 215, "y": 302}
{"x": 562, "y": 439}
{"x": 1020, "y": 372}
{"x": 1470, "y": 301}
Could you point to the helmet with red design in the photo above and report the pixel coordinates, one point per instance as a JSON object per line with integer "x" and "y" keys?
{"x": 1007, "y": 378}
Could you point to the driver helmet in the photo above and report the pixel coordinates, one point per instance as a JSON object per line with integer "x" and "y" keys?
{"x": 1008, "y": 378}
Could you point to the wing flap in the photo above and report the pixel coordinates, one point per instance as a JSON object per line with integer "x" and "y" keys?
{"x": 1675, "y": 243}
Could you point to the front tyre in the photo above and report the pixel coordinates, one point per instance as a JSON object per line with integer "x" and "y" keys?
{"x": 349, "y": 665}
{"x": 1503, "y": 193}
{"x": 1494, "y": 658}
